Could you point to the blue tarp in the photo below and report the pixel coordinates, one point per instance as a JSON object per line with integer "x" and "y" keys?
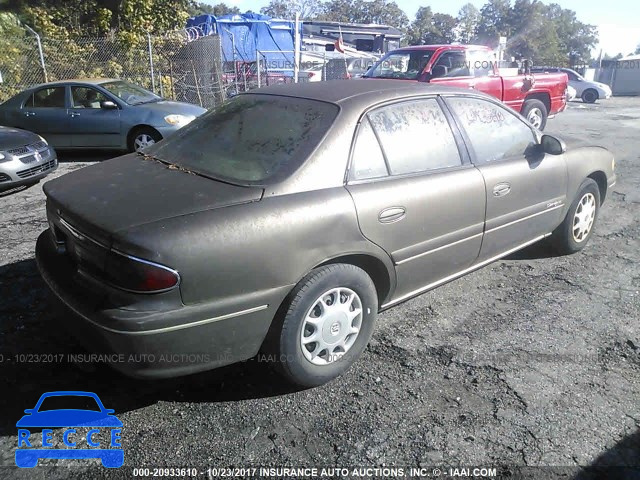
{"x": 242, "y": 35}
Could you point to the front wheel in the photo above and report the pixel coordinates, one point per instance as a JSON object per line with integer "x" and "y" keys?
{"x": 589, "y": 96}
{"x": 575, "y": 231}
{"x": 142, "y": 138}
{"x": 328, "y": 324}
{"x": 536, "y": 113}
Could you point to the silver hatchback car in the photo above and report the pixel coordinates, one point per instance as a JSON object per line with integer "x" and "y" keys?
{"x": 25, "y": 158}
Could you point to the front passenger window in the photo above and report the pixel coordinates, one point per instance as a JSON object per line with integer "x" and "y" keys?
{"x": 494, "y": 131}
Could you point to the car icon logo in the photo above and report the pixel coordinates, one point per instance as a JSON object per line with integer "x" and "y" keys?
{"x": 97, "y": 419}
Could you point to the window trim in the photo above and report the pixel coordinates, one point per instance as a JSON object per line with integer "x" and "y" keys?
{"x": 465, "y": 158}
{"x": 467, "y": 140}
{"x": 350, "y": 168}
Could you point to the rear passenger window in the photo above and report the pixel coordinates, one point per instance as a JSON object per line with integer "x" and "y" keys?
{"x": 368, "y": 161}
{"x": 46, "y": 98}
{"x": 415, "y": 137}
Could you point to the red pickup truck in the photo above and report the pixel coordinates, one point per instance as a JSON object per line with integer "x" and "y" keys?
{"x": 536, "y": 97}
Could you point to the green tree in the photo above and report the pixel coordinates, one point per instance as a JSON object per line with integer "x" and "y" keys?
{"x": 576, "y": 39}
{"x": 468, "y": 21}
{"x": 364, "y": 11}
{"x": 218, "y": 10}
{"x": 382, "y": 12}
{"x": 429, "y": 28}
{"x": 288, "y": 9}
{"x": 444, "y": 28}
{"x": 421, "y": 27}
{"x": 494, "y": 22}
{"x": 336, "y": 11}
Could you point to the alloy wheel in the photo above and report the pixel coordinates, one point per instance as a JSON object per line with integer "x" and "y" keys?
{"x": 143, "y": 140}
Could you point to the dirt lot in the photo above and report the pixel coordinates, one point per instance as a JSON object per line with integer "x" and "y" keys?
{"x": 533, "y": 361}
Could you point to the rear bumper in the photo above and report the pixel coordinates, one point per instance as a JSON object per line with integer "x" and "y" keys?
{"x": 161, "y": 339}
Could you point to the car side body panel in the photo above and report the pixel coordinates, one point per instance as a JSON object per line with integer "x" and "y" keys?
{"x": 439, "y": 226}
{"x": 298, "y": 231}
{"x": 589, "y": 161}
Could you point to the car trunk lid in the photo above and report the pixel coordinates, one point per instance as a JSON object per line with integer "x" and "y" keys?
{"x": 133, "y": 190}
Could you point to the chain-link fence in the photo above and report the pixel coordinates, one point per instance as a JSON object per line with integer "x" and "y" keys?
{"x": 183, "y": 65}
{"x": 176, "y": 65}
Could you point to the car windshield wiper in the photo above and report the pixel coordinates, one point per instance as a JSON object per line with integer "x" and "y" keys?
{"x": 170, "y": 166}
{"x": 175, "y": 166}
{"x": 152, "y": 100}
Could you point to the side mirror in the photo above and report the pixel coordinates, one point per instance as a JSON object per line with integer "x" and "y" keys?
{"x": 108, "y": 105}
{"x": 439, "y": 71}
{"x": 553, "y": 145}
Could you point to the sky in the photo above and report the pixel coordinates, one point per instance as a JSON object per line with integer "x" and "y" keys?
{"x": 618, "y": 22}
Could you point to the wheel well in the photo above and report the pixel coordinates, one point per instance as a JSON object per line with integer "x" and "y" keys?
{"x": 543, "y": 97}
{"x": 592, "y": 90}
{"x": 601, "y": 179}
{"x": 374, "y": 268}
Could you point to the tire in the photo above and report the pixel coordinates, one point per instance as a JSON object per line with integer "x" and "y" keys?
{"x": 536, "y": 113}
{"x": 142, "y": 137}
{"x": 590, "y": 96}
{"x": 574, "y": 232}
{"x": 309, "y": 363}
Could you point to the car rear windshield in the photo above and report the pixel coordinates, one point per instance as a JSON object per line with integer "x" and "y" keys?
{"x": 402, "y": 65}
{"x": 67, "y": 402}
{"x": 251, "y": 140}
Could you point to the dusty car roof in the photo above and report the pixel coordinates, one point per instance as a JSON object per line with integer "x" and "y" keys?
{"x": 359, "y": 90}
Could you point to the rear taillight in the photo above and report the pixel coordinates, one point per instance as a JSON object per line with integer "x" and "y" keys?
{"x": 311, "y": 74}
{"x": 137, "y": 275}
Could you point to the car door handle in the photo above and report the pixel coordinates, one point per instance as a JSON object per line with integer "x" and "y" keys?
{"x": 74, "y": 114}
{"x": 392, "y": 214}
{"x": 29, "y": 114}
{"x": 472, "y": 85}
{"x": 501, "y": 189}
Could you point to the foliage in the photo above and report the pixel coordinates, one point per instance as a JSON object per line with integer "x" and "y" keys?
{"x": 364, "y": 11}
{"x": 468, "y": 21}
{"x": 430, "y": 28}
{"x": 218, "y": 10}
{"x": 288, "y": 8}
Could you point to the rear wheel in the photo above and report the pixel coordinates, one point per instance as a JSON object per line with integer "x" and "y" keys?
{"x": 576, "y": 229}
{"x": 328, "y": 324}
{"x": 143, "y": 137}
{"x": 589, "y": 96}
{"x": 535, "y": 112}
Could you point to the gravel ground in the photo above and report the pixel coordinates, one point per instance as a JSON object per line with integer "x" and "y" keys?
{"x": 533, "y": 361}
